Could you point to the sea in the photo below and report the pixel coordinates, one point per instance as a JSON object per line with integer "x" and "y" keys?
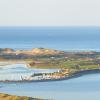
{"x": 60, "y": 38}
{"x": 86, "y": 87}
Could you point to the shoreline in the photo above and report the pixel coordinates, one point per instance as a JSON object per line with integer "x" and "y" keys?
{"x": 74, "y": 75}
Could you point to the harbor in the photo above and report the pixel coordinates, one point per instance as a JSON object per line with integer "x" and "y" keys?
{"x": 20, "y": 72}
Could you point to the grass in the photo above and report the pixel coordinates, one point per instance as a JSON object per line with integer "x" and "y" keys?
{"x": 70, "y": 64}
{"x": 90, "y": 67}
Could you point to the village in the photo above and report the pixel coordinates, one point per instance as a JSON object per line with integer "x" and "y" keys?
{"x": 62, "y": 73}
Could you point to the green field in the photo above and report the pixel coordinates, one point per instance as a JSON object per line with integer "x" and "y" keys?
{"x": 67, "y": 63}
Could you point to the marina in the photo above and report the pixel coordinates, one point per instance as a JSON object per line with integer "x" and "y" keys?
{"x": 20, "y": 72}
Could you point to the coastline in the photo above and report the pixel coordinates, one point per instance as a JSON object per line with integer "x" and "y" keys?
{"x": 74, "y": 75}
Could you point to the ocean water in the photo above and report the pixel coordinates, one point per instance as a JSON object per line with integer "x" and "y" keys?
{"x": 61, "y": 38}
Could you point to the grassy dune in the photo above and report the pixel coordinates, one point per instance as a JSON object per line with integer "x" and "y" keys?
{"x": 14, "y": 97}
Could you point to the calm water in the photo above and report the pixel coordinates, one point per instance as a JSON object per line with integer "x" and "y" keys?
{"x": 83, "y": 88}
{"x": 62, "y": 38}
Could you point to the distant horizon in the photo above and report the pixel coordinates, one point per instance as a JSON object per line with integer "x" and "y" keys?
{"x": 60, "y": 38}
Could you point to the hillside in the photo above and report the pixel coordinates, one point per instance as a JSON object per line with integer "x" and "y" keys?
{"x": 8, "y": 53}
{"x": 35, "y": 51}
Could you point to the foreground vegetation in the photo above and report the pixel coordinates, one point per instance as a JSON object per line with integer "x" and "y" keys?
{"x": 14, "y": 97}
